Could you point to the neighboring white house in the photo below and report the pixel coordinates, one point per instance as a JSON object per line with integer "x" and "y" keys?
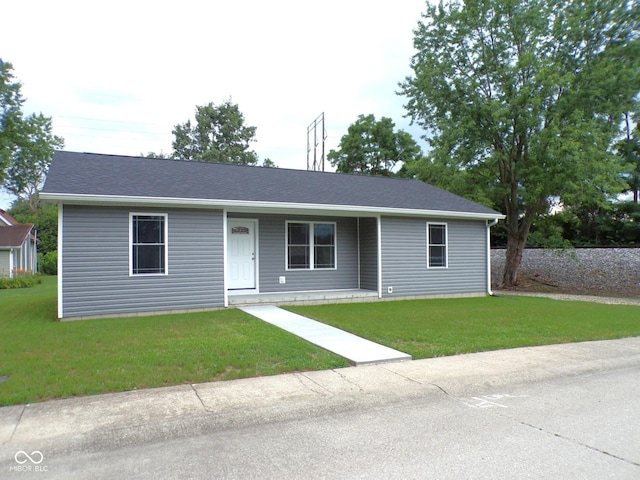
{"x": 18, "y": 252}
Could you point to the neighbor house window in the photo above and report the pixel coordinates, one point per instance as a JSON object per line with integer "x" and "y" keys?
{"x": 437, "y": 245}
{"x": 311, "y": 246}
{"x": 148, "y": 235}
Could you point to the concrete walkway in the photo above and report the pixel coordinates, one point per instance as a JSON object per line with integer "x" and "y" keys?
{"x": 357, "y": 350}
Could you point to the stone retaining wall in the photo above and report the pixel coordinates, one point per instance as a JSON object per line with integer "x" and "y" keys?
{"x": 597, "y": 271}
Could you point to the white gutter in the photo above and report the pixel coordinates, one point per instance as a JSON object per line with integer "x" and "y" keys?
{"x": 489, "y": 225}
{"x": 257, "y": 206}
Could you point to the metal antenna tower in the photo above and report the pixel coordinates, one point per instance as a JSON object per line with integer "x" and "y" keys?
{"x": 317, "y": 124}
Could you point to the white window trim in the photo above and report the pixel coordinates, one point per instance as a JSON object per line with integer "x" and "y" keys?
{"x": 446, "y": 246}
{"x": 311, "y": 245}
{"x": 166, "y": 244}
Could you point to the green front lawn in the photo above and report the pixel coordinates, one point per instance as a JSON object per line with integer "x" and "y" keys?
{"x": 431, "y": 328}
{"x": 47, "y": 359}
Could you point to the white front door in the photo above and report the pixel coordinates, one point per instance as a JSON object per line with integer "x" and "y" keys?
{"x": 241, "y": 254}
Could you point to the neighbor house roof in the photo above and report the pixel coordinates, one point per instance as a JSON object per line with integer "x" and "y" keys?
{"x": 14, "y": 236}
{"x": 88, "y": 178}
{"x": 6, "y": 219}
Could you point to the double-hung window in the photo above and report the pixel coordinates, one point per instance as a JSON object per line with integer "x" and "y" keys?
{"x": 311, "y": 245}
{"x": 437, "y": 245}
{"x": 148, "y": 245}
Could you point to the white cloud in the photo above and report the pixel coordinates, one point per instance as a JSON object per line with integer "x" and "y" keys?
{"x": 117, "y": 76}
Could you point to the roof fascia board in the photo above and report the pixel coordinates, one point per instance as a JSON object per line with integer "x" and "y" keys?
{"x": 249, "y": 206}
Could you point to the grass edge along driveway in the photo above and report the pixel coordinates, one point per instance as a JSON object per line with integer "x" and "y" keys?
{"x": 439, "y": 327}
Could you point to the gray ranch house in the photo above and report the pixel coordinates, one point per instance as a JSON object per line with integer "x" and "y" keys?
{"x": 144, "y": 235}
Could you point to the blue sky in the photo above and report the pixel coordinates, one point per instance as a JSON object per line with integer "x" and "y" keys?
{"x": 117, "y": 76}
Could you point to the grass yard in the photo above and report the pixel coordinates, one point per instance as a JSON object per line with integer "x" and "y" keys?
{"x": 431, "y": 328}
{"x": 45, "y": 359}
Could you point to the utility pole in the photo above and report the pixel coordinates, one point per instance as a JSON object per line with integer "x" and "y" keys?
{"x": 317, "y": 124}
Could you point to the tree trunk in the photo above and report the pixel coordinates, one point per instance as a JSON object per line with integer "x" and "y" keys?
{"x": 517, "y": 233}
{"x": 33, "y": 200}
{"x": 515, "y": 248}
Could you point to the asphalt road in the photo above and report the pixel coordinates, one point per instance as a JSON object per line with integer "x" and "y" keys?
{"x": 584, "y": 426}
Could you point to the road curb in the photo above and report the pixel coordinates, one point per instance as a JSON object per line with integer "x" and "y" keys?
{"x": 113, "y": 421}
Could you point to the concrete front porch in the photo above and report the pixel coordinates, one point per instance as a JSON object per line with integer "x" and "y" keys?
{"x": 302, "y": 298}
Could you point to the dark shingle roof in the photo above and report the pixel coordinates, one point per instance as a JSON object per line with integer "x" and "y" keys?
{"x": 15, "y": 235}
{"x": 80, "y": 174}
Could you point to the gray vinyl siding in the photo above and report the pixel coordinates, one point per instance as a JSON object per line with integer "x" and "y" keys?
{"x": 18, "y": 258}
{"x": 368, "y": 228}
{"x": 5, "y": 263}
{"x": 95, "y": 263}
{"x": 25, "y": 257}
{"x": 272, "y": 256}
{"x": 404, "y": 258}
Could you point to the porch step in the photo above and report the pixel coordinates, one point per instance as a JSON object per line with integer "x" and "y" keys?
{"x": 304, "y": 298}
{"x": 357, "y": 350}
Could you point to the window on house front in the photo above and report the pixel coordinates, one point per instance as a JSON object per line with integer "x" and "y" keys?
{"x": 148, "y": 235}
{"x": 437, "y": 245}
{"x": 311, "y": 246}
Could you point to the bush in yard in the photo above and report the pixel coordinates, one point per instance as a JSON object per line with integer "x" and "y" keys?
{"x": 21, "y": 281}
{"x": 48, "y": 262}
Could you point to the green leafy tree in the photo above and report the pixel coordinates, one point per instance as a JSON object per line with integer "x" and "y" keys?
{"x": 156, "y": 155}
{"x": 218, "y": 135}
{"x": 10, "y": 116}
{"x": 526, "y": 97}
{"x": 26, "y": 143}
{"x": 31, "y": 159}
{"x": 373, "y": 147}
{"x": 448, "y": 175}
{"x": 589, "y": 224}
{"x": 629, "y": 151}
{"x": 268, "y": 163}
